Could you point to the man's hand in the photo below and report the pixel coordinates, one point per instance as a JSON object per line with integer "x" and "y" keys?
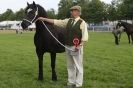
{"x": 41, "y": 19}
{"x": 82, "y": 43}
{"x": 78, "y": 48}
{"x": 46, "y": 19}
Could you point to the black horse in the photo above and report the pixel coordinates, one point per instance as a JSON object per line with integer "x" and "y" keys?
{"x": 43, "y": 41}
{"x": 128, "y": 28}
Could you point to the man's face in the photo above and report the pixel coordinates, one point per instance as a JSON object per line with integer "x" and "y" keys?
{"x": 74, "y": 13}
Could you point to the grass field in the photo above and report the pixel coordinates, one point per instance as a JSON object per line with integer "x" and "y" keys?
{"x": 105, "y": 64}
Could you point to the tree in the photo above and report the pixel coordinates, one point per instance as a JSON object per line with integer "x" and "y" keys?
{"x": 51, "y": 13}
{"x": 112, "y": 11}
{"x": 128, "y": 4}
{"x": 8, "y": 15}
{"x": 19, "y": 15}
{"x": 94, "y": 11}
{"x": 125, "y": 8}
{"x": 64, "y": 9}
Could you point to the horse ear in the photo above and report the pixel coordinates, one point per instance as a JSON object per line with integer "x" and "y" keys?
{"x": 28, "y": 4}
{"x": 34, "y": 3}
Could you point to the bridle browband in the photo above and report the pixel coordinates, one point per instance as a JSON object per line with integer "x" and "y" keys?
{"x": 32, "y": 21}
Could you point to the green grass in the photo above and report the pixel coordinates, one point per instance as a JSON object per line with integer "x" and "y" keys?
{"x": 105, "y": 64}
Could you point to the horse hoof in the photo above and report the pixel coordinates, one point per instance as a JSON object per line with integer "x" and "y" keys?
{"x": 117, "y": 43}
{"x": 54, "y": 78}
{"x": 40, "y": 79}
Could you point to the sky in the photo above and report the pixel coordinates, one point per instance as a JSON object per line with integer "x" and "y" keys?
{"x": 15, "y": 5}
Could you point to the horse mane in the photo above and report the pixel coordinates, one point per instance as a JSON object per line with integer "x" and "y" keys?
{"x": 42, "y": 11}
{"x": 125, "y": 24}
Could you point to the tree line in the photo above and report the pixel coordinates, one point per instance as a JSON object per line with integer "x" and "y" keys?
{"x": 10, "y": 15}
{"x": 19, "y": 15}
{"x": 93, "y": 11}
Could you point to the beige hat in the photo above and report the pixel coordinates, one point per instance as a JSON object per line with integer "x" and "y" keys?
{"x": 76, "y": 8}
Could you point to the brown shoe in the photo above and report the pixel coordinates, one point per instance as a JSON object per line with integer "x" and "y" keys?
{"x": 71, "y": 85}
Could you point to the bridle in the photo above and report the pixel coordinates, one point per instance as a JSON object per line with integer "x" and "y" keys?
{"x": 32, "y": 21}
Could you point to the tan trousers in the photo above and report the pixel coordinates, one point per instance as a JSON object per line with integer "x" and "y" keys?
{"x": 75, "y": 66}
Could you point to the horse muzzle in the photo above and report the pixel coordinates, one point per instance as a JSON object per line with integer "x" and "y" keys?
{"x": 25, "y": 24}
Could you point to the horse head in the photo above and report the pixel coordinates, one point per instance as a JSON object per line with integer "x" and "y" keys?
{"x": 119, "y": 24}
{"x": 32, "y": 12}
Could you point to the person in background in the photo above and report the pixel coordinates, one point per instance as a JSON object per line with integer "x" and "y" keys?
{"x": 76, "y": 32}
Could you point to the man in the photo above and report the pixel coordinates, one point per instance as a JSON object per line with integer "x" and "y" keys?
{"x": 76, "y": 30}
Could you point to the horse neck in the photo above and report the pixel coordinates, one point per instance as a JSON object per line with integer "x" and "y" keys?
{"x": 40, "y": 27}
{"x": 39, "y": 24}
{"x": 125, "y": 25}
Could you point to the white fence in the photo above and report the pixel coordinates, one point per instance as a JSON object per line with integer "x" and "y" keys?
{"x": 13, "y": 25}
{"x": 101, "y": 28}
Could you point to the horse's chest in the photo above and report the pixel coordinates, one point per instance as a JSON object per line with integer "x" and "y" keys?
{"x": 44, "y": 41}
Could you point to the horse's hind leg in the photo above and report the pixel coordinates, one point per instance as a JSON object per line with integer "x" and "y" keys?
{"x": 119, "y": 37}
{"x": 129, "y": 38}
{"x": 53, "y": 63}
{"x": 40, "y": 58}
{"x": 132, "y": 38}
{"x": 116, "y": 40}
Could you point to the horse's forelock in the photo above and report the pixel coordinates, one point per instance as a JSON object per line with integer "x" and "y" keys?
{"x": 28, "y": 7}
{"x": 37, "y": 5}
{"x": 32, "y": 6}
{"x": 41, "y": 10}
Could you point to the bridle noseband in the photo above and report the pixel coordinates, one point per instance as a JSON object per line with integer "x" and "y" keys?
{"x": 32, "y": 21}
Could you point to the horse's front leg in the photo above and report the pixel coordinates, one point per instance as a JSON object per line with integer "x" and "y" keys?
{"x": 129, "y": 38}
{"x": 116, "y": 40}
{"x": 40, "y": 60}
{"x": 119, "y": 37}
{"x": 53, "y": 63}
{"x": 132, "y": 38}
